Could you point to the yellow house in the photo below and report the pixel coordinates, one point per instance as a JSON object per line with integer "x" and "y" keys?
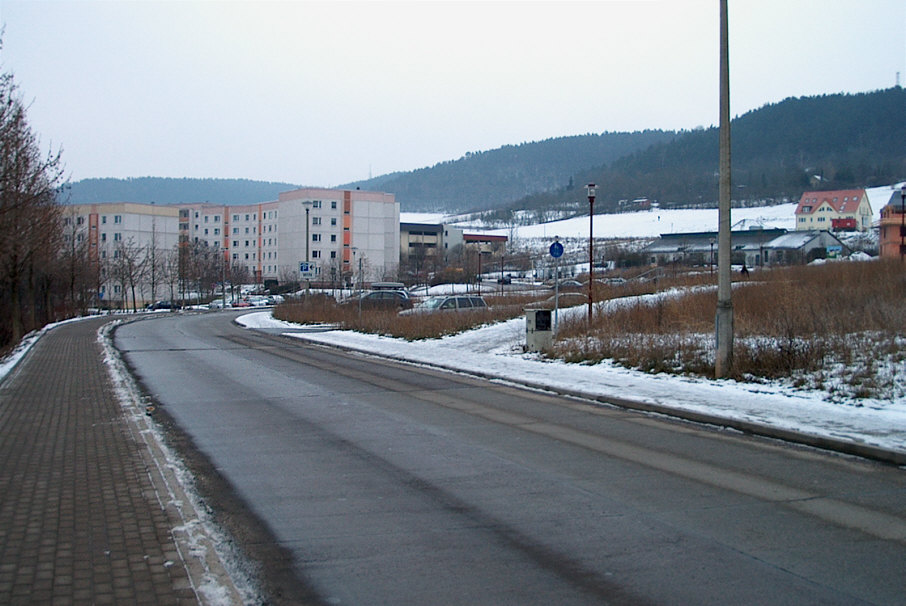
{"x": 842, "y": 210}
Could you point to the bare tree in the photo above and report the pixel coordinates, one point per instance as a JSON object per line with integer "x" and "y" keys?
{"x": 30, "y": 229}
{"x": 129, "y": 260}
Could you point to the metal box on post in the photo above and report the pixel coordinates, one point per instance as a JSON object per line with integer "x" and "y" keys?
{"x": 538, "y": 329}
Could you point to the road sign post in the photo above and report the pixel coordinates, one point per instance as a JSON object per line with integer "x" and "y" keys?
{"x": 556, "y": 251}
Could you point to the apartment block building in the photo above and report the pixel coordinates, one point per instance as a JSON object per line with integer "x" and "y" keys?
{"x": 892, "y": 227}
{"x": 338, "y": 233}
{"x": 108, "y": 230}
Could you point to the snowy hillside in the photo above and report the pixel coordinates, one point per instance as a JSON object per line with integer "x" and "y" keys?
{"x": 651, "y": 224}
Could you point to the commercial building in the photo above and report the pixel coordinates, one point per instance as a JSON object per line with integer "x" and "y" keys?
{"x": 750, "y": 248}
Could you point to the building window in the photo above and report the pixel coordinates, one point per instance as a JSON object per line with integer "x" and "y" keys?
{"x": 104, "y": 219}
{"x": 117, "y": 237}
{"x": 316, "y": 254}
{"x": 205, "y": 231}
{"x": 333, "y": 254}
{"x": 316, "y": 237}
{"x": 235, "y": 217}
{"x": 235, "y": 230}
{"x": 216, "y": 218}
{"x": 206, "y": 218}
{"x": 316, "y": 204}
{"x": 216, "y": 231}
{"x": 333, "y": 204}
{"x": 117, "y": 219}
{"x": 316, "y": 220}
{"x": 103, "y": 237}
{"x": 333, "y": 237}
{"x": 235, "y": 243}
{"x": 246, "y": 230}
{"x": 333, "y": 221}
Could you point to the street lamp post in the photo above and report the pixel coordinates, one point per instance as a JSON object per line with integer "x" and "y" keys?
{"x": 307, "y": 205}
{"x": 223, "y": 261}
{"x": 591, "y": 247}
{"x": 711, "y": 262}
{"x": 903, "y": 222}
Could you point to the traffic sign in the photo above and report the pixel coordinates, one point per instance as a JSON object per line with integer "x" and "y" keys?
{"x": 556, "y": 250}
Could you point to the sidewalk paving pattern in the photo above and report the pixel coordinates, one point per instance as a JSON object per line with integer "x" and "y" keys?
{"x": 80, "y": 520}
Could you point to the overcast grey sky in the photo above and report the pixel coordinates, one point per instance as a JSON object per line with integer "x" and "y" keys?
{"x": 324, "y": 93}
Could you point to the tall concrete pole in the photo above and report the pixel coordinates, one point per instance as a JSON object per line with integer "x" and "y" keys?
{"x": 723, "y": 363}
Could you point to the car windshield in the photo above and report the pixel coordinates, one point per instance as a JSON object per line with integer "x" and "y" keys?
{"x": 433, "y": 302}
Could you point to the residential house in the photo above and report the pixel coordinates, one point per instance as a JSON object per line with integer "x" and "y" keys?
{"x": 843, "y": 210}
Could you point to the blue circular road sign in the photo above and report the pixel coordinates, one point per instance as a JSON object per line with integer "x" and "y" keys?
{"x": 556, "y": 250}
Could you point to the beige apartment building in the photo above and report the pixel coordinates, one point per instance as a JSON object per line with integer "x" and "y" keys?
{"x": 336, "y": 235}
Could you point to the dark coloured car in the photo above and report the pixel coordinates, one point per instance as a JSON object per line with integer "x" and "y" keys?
{"x": 161, "y": 305}
{"x": 383, "y": 299}
{"x": 450, "y": 303}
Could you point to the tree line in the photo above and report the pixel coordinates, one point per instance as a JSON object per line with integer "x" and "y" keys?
{"x": 49, "y": 270}
{"x": 779, "y": 151}
{"x": 31, "y": 267}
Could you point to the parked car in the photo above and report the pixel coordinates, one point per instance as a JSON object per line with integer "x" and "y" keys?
{"x": 275, "y": 299}
{"x": 257, "y": 301}
{"x": 218, "y": 304}
{"x": 382, "y": 299}
{"x": 241, "y": 303}
{"x": 449, "y": 303}
{"x": 161, "y": 305}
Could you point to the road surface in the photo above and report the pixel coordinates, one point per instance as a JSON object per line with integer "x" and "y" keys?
{"x": 385, "y": 483}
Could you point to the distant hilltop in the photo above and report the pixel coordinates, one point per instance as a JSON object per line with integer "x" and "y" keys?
{"x": 827, "y": 142}
{"x": 161, "y": 190}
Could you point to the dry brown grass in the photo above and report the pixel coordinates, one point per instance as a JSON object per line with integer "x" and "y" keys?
{"x": 787, "y": 321}
{"x": 409, "y": 327}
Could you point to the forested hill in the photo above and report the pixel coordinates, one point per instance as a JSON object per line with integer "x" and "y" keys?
{"x": 173, "y": 191}
{"x": 492, "y": 179}
{"x": 778, "y": 151}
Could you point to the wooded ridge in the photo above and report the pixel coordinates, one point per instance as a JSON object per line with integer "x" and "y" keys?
{"x": 780, "y": 150}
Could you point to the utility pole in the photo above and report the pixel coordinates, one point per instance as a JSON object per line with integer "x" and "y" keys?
{"x": 723, "y": 361}
{"x": 590, "y": 188}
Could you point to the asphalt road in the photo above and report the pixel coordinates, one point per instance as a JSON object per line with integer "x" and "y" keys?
{"x": 384, "y": 483}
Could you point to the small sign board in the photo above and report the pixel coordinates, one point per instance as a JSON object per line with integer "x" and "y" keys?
{"x": 307, "y": 270}
{"x": 556, "y": 250}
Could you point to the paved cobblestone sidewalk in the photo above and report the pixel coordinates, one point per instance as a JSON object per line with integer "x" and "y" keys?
{"x": 80, "y": 521}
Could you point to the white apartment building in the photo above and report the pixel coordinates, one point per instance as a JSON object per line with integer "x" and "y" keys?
{"x": 109, "y": 228}
{"x": 341, "y": 233}
{"x": 345, "y": 235}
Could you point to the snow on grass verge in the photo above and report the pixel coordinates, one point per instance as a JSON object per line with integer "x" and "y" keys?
{"x": 496, "y": 351}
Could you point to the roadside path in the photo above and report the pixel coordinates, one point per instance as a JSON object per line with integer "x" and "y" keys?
{"x": 83, "y": 519}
